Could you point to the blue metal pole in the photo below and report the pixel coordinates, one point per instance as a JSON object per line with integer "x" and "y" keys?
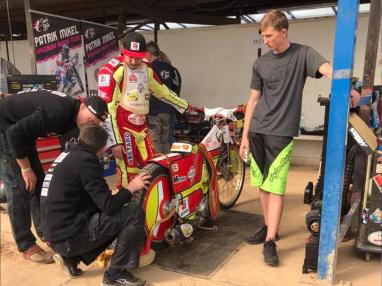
{"x": 344, "y": 43}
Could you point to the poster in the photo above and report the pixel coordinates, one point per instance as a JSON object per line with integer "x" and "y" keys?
{"x": 101, "y": 44}
{"x": 59, "y": 51}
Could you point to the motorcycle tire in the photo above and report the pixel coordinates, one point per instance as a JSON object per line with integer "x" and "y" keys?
{"x": 155, "y": 171}
{"x": 228, "y": 194}
{"x": 348, "y": 178}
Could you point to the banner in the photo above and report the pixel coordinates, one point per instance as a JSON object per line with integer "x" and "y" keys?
{"x": 59, "y": 51}
{"x": 101, "y": 44}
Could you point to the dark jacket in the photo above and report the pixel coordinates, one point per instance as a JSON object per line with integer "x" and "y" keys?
{"x": 177, "y": 81}
{"x": 28, "y": 115}
{"x": 166, "y": 74}
{"x": 74, "y": 189}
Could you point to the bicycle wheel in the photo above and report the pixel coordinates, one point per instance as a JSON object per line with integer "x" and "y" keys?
{"x": 231, "y": 173}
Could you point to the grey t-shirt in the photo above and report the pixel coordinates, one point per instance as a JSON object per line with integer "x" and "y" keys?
{"x": 281, "y": 79}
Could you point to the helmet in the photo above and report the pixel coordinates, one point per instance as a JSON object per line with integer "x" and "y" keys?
{"x": 65, "y": 49}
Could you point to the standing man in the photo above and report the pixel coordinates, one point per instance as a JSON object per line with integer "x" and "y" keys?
{"x": 23, "y": 118}
{"x": 272, "y": 119}
{"x": 6, "y": 68}
{"x": 176, "y": 87}
{"x": 81, "y": 216}
{"x": 160, "y": 112}
{"x": 125, "y": 83}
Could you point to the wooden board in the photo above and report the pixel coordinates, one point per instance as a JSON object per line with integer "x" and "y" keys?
{"x": 364, "y": 132}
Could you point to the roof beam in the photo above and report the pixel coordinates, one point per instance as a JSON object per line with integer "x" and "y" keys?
{"x": 250, "y": 18}
{"x": 137, "y": 27}
{"x": 165, "y": 26}
{"x": 184, "y": 3}
{"x": 290, "y": 14}
{"x": 245, "y": 19}
{"x": 177, "y": 17}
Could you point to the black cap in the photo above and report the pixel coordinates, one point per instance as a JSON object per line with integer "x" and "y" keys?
{"x": 134, "y": 45}
{"x": 97, "y": 106}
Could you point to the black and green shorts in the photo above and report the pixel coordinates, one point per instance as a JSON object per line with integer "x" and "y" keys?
{"x": 270, "y": 157}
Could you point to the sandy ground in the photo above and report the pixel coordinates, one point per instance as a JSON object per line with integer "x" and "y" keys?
{"x": 245, "y": 267}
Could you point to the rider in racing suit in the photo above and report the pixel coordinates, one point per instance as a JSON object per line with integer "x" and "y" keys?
{"x": 65, "y": 72}
{"x": 62, "y": 61}
{"x": 125, "y": 83}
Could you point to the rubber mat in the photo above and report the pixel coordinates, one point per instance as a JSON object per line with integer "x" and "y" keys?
{"x": 210, "y": 249}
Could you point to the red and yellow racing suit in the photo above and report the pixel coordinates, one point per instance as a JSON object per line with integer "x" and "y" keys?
{"x": 127, "y": 93}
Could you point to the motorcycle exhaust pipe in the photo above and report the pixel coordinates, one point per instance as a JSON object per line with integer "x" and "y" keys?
{"x": 172, "y": 236}
{"x": 179, "y": 233}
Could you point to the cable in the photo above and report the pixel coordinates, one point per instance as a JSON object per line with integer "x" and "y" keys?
{"x": 11, "y": 34}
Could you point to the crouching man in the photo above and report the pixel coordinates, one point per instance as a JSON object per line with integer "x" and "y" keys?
{"x": 81, "y": 217}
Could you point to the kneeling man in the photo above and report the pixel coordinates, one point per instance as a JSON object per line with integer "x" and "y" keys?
{"x": 81, "y": 217}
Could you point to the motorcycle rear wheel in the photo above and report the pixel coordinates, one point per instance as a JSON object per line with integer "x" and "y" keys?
{"x": 231, "y": 175}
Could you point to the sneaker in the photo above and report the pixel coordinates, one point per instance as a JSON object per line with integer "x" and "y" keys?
{"x": 259, "y": 236}
{"x": 270, "y": 254}
{"x": 124, "y": 278}
{"x": 68, "y": 265}
{"x": 36, "y": 254}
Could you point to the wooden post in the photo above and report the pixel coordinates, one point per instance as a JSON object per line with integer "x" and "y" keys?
{"x": 156, "y": 28}
{"x": 28, "y": 20}
{"x": 370, "y": 55}
{"x": 121, "y": 22}
{"x": 7, "y": 49}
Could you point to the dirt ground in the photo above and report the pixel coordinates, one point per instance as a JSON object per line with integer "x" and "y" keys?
{"x": 245, "y": 267}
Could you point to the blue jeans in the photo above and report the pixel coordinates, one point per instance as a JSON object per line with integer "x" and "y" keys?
{"x": 23, "y": 206}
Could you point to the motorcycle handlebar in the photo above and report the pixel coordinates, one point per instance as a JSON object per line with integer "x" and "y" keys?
{"x": 199, "y": 114}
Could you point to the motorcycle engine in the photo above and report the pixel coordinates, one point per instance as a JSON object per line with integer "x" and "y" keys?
{"x": 203, "y": 209}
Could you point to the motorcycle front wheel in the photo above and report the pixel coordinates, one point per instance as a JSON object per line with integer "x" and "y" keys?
{"x": 152, "y": 200}
{"x": 231, "y": 174}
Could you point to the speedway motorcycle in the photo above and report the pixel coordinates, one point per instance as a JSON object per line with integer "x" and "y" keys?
{"x": 188, "y": 185}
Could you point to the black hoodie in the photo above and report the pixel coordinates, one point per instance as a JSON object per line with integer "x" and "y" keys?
{"x": 25, "y": 116}
{"x": 73, "y": 190}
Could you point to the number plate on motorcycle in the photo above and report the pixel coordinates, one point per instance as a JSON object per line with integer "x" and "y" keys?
{"x": 184, "y": 209}
{"x": 181, "y": 147}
